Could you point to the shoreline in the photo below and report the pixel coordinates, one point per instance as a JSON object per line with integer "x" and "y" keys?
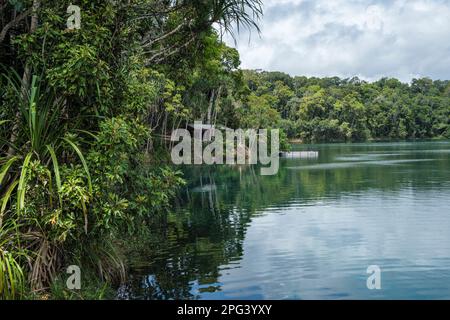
{"x": 381, "y": 140}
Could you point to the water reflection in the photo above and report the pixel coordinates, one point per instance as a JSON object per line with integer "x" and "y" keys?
{"x": 309, "y": 232}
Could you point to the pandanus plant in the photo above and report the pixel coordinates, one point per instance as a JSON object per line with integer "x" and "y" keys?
{"x": 12, "y": 278}
{"x": 41, "y": 138}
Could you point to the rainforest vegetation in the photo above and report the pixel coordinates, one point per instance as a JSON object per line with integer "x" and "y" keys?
{"x": 84, "y": 118}
{"x": 85, "y": 115}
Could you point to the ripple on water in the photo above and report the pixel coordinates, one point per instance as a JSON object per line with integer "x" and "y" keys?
{"x": 341, "y": 165}
{"x": 312, "y": 235}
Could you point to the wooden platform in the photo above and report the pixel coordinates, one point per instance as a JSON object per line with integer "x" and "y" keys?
{"x": 300, "y": 154}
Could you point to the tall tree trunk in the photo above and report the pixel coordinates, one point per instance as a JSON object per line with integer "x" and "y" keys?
{"x": 210, "y": 106}
{"x": 26, "y": 78}
{"x": 216, "y": 109}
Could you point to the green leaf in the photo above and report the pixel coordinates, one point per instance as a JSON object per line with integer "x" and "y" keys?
{"x": 21, "y": 189}
{"x": 83, "y": 161}
{"x": 6, "y": 198}
{"x": 5, "y": 168}
{"x": 51, "y": 150}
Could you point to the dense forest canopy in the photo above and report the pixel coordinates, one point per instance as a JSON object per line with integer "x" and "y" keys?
{"x": 334, "y": 109}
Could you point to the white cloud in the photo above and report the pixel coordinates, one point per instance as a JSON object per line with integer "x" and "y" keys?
{"x": 367, "y": 38}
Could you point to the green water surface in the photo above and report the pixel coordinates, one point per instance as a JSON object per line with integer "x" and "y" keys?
{"x": 310, "y": 232}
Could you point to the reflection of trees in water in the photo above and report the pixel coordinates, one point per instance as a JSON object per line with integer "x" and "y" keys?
{"x": 189, "y": 248}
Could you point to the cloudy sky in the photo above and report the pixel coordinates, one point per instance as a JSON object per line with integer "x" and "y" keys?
{"x": 366, "y": 38}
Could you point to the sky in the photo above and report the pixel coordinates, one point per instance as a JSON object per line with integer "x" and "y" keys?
{"x": 370, "y": 39}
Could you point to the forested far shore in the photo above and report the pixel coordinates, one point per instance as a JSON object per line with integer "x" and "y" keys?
{"x": 85, "y": 114}
{"x": 336, "y": 110}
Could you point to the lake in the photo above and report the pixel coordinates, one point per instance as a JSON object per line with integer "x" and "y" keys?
{"x": 310, "y": 232}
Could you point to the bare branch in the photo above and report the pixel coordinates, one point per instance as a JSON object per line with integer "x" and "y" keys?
{"x": 176, "y": 50}
{"x": 13, "y": 23}
{"x": 168, "y": 34}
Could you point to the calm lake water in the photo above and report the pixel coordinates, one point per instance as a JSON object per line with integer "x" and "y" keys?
{"x": 309, "y": 232}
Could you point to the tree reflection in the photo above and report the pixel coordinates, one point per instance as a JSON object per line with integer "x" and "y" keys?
{"x": 185, "y": 253}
